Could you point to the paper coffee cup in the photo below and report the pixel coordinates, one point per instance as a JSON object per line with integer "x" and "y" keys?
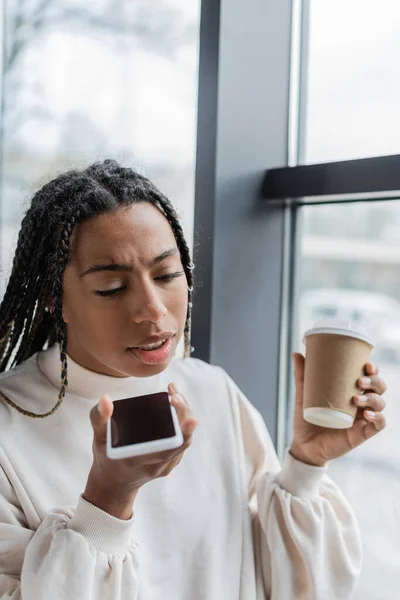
{"x": 336, "y": 352}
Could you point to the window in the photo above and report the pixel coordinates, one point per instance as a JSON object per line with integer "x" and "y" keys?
{"x": 349, "y": 266}
{"x": 83, "y": 82}
{"x": 362, "y": 287}
{"x": 353, "y": 82}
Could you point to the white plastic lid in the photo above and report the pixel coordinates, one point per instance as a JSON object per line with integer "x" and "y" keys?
{"x": 341, "y": 327}
{"x": 328, "y": 417}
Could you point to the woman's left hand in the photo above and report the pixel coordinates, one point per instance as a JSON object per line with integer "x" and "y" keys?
{"x": 317, "y": 445}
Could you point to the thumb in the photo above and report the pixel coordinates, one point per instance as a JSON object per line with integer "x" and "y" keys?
{"x": 298, "y": 363}
{"x": 99, "y": 415}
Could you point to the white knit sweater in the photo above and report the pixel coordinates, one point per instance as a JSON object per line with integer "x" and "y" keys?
{"x": 227, "y": 524}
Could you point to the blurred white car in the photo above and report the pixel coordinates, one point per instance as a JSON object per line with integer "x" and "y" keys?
{"x": 379, "y": 313}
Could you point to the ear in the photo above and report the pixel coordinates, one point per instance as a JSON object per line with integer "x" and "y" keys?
{"x": 65, "y": 315}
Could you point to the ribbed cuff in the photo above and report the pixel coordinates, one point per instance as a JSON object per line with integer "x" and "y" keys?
{"x": 300, "y": 479}
{"x": 105, "y": 532}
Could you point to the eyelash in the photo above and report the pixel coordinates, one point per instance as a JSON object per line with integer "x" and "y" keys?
{"x": 164, "y": 278}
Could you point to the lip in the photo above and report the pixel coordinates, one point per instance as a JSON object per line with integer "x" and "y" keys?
{"x": 153, "y": 339}
{"x": 154, "y": 357}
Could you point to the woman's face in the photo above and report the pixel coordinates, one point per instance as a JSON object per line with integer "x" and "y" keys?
{"x": 124, "y": 289}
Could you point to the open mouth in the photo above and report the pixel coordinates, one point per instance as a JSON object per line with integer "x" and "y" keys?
{"x": 150, "y": 347}
{"x": 153, "y": 353}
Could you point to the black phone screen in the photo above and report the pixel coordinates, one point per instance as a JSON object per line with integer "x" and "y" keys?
{"x": 141, "y": 419}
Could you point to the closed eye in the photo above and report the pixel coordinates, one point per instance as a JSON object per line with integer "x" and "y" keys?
{"x": 115, "y": 291}
{"x": 107, "y": 293}
{"x": 169, "y": 276}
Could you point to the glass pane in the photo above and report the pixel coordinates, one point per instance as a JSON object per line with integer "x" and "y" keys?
{"x": 350, "y": 269}
{"x": 97, "y": 79}
{"x": 353, "y": 80}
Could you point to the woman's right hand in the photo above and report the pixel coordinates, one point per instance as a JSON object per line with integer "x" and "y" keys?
{"x": 113, "y": 484}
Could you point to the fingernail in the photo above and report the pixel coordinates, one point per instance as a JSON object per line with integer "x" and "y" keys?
{"x": 173, "y": 388}
{"x": 365, "y": 380}
{"x": 370, "y": 414}
{"x": 361, "y": 399}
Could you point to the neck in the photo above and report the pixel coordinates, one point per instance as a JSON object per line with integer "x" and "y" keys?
{"x": 87, "y": 383}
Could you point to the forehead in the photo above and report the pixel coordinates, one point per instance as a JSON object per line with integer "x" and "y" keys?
{"x": 139, "y": 231}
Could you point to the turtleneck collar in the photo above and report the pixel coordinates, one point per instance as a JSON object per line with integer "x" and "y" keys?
{"x": 91, "y": 385}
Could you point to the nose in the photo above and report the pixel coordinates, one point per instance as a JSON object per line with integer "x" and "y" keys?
{"x": 149, "y": 305}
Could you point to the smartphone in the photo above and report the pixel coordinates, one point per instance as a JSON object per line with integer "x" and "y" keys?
{"x": 143, "y": 425}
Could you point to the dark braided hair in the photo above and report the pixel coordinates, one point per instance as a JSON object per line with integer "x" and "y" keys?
{"x": 27, "y": 324}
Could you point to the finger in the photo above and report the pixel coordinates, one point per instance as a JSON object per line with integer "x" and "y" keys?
{"x": 173, "y": 389}
{"x": 374, "y": 383}
{"x": 370, "y": 400}
{"x": 365, "y": 428}
{"x": 298, "y": 363}
{"x": 164, "y": 456}
{"x": 181, "y": 406}
{"x": 187, "y": 439}
{"x": 371, "y": 369}
{"x": 99, "y": 415}
{"x": 186, "y": 419}
{"x": 377, "y": 419}
{"x": 188, "y": 427}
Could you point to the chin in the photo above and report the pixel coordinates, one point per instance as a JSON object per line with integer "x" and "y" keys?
{"x": 143, "y": 370}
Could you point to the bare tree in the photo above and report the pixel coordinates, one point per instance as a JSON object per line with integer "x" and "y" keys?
{"x": 151, "y": 24}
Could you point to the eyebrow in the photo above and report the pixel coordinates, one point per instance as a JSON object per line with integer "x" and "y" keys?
{"x": 117, "y": 267}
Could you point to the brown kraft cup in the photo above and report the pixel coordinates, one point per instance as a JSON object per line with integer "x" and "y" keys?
{"x": 334, "y": 362}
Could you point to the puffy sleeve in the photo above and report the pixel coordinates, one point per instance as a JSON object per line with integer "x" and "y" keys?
{"x": 82, "y": 553}
{"x": 306, "y": 538}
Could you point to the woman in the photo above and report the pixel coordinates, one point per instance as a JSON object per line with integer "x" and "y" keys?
{"x": 102, "y": 278}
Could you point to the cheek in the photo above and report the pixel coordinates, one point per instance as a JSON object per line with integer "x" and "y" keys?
{"x": 90, "y": 319}
{"x": 178, "y": 304}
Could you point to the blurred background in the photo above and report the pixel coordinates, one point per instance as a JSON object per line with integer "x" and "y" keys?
{"x": 119, "y": 78}
{"x": 84, "y": 81}
{"x": 350, "y": 253}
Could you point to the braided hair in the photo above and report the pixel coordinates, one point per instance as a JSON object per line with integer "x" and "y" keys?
{"x": 27, "y": 324}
